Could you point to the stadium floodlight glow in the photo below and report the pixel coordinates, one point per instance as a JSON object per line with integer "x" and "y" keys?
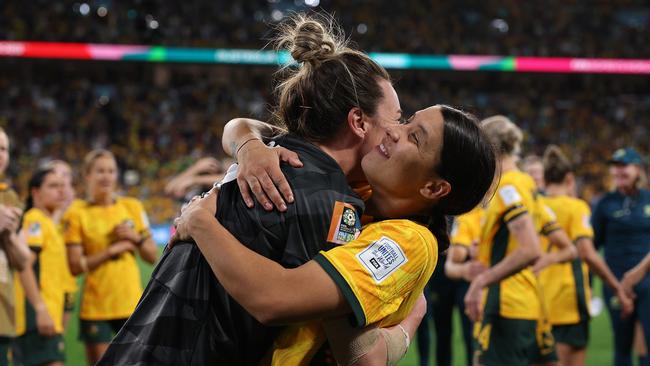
{"x": 108, "y": 52}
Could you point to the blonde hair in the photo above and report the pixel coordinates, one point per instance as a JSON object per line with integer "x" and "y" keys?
{"x": 504, "y": 134}
{"x": 91, "y": 158}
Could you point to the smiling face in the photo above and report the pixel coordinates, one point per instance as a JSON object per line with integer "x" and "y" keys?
{"x": 102, "y": 176}
{"x": 387, "y": 115}
{"x": 403, "y": 163}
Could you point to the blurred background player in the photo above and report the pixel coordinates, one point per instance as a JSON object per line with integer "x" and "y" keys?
{"x": 460, "y": 268}
{"x": 40, "y": 299}
{"x": 621, "y": 222}
{"x": 566, "y": 285}
{"x": 103, "y": 233}
{"x": 534, "y": 166}
{"x": 199, "y": 177}
{"x": 64, "y": 170}
{"x": 14, "y": 253}
{"x": 508, "y": 314}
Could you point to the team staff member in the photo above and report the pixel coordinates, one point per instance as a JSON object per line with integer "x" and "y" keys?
{"x": 102, "y": 234}
{"x": 509, "y": 244}
{"x": 621, "y": 222}
{"x": 566, "y": 285}
{"x": 14, "y": 253}
{"x": 40, "y": 297}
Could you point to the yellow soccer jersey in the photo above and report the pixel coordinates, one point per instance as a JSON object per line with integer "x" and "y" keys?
{"x": 7, "y": 309}
{"x": 381, "y": 274}
{"x": 566, "y": 285}
{"x": 515, "y": 297}
{"x": 112, "y": 290}
{"x": 71, "y": 281}
{"x": 50, "y": 268}
{"x": 467, "y": 228}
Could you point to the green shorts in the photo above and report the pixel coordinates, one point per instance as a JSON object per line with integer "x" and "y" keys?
{"x": 575, "y": 335}
{"x": 31, "y": 349}
{"x": 5, "y": 346}
{"x": 512, "y": 342}
{"x": 69, "y": 302}
{"x": 99, "y": 331}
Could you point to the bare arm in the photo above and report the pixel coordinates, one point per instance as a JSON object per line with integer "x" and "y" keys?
{"x": 523, "y": 230}
{"x": 285, "y": 295}
{"x": 566, "y": 252}
{"x": 259, "y": 171}
{"x": 148, "y": 250}
{"x": 588, "y": 254}
{"x": 16, "y": 249}
{"x": 44, "y": 321}
{"x": 79, "y": 263}
{"x": 372, "y": 346}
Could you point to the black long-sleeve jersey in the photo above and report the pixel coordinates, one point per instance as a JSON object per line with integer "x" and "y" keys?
{"x": 185, "y": 317}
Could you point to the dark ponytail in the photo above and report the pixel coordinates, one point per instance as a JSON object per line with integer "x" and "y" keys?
{"x": 467, "y": 163}
{"x": 36, "y": 181}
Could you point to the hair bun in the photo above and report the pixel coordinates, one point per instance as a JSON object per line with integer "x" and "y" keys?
{"x": 308, "y": 41}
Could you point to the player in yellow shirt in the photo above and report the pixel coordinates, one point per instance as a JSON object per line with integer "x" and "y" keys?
{"x": 64, "y": 170}
{"x": 566, "y": 285}
{"x": 377, "y": 277}
{"x": 102, "y": 234}
{"x": 40, "y": 295}
{"x": 510, "y": 306}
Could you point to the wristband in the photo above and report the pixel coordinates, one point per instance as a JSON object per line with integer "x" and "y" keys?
{"x": 244, "y": 143}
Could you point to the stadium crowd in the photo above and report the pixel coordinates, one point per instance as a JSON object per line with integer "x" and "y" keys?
{"x": 173, "y": 115}
{"x": 455, "y": 27}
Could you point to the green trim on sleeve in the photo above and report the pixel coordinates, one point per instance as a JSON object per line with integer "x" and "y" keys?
{"x": 359, "y": 318}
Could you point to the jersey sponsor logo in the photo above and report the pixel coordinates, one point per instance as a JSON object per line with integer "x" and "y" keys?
{"x": 382, "y": 257}
{"x": 509, "y": 195}
{"x": 34, "y": 229}
{"x": 345, "y": 225}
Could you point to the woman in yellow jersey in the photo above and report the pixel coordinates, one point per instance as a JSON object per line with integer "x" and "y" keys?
{"x": 64, "y": 170}
{"x": 377, "y": 277}
{"x": 510, "y": 307}
{"x": 103, "y": 233}
{"x": 566, "y": 285}
{"x": 40, "y": 297}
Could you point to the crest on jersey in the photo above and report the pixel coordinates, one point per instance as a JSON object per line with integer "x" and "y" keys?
{"x": 345, "y": 225}
{"x": 34, "y": 229}
{"x": 382, "y": 257}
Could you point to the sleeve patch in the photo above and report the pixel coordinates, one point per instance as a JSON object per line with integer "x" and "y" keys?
{"x": 382, "y": 257}
{"x": 454, "y": 228}
{"x": 34, "y": 229}
{"x": 509, "y": 195}
{"x": 345, "y": 225}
